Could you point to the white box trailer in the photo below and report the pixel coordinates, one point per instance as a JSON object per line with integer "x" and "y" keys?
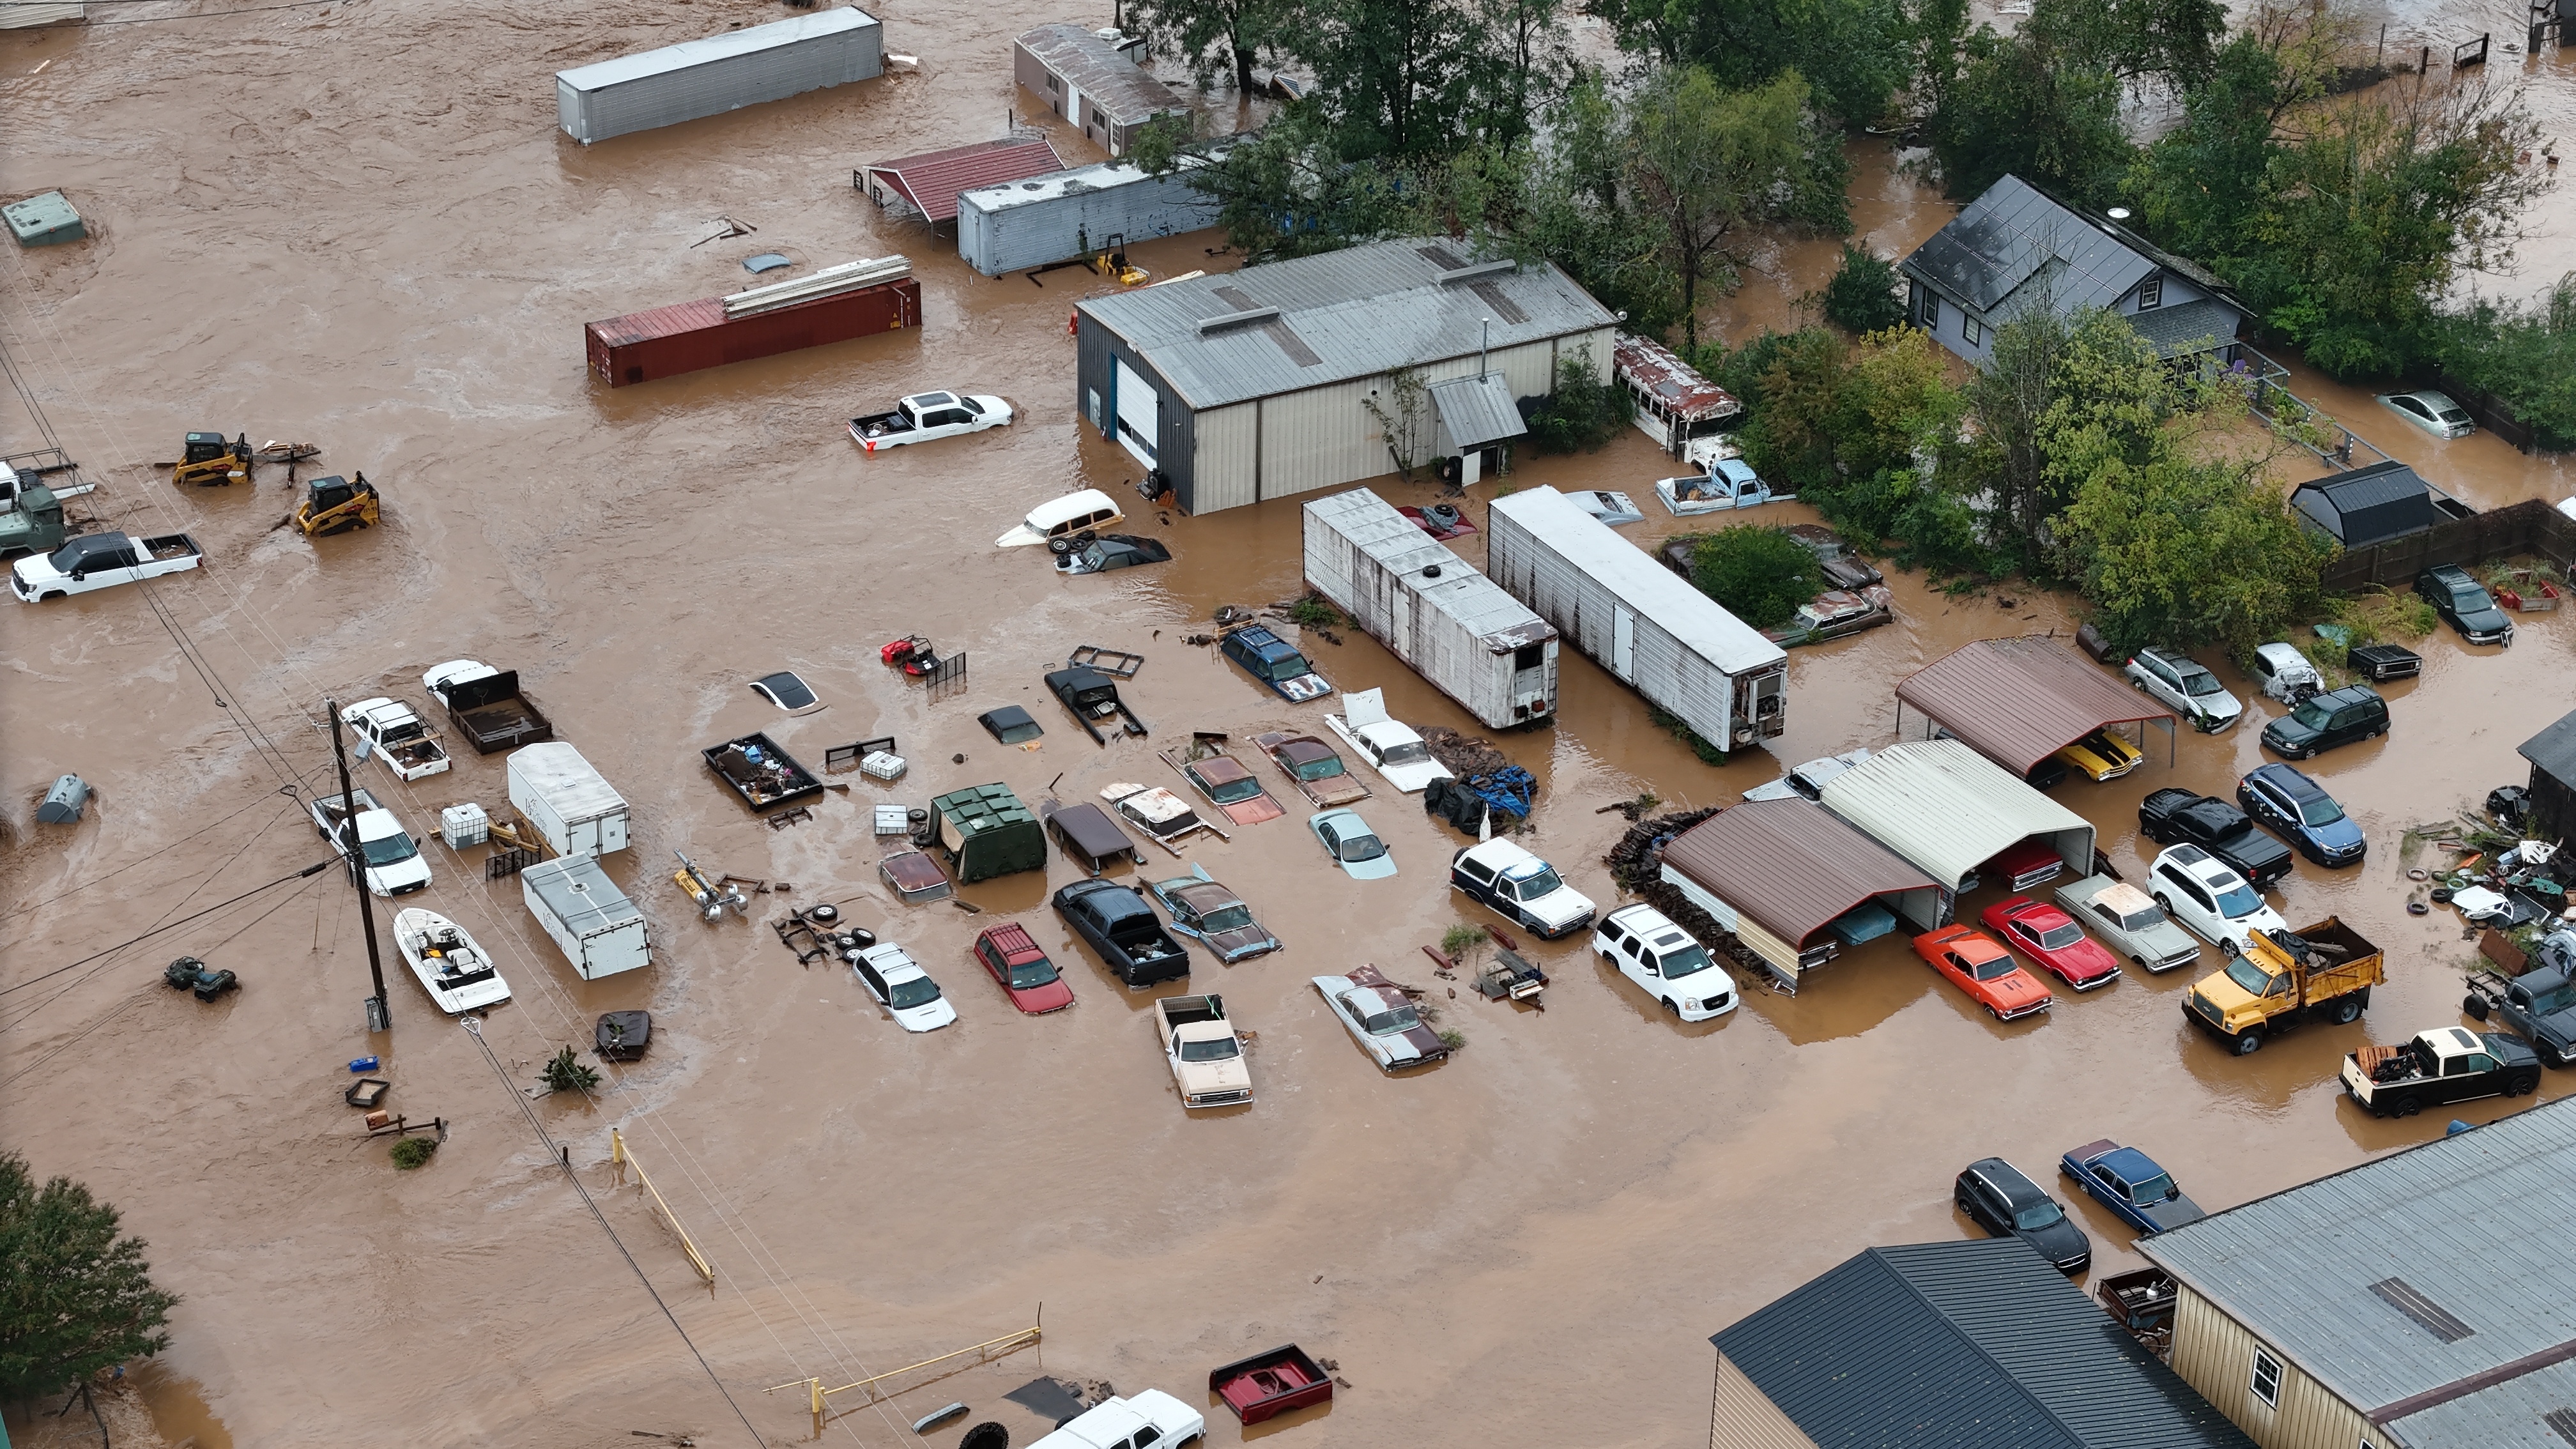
{"x": 1478, "y": 644}
{"x": 572, "y": 805}
{"x": 1668, "y": 641}
{"x": 1075, "y": 214}
{"x": 600, "y": 930}
{"x": 698, "y": 78}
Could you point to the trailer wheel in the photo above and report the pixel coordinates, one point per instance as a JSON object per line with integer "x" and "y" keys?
{"x": 2249, "y": 1041}
{"x": 2346, "y": 1010}
{"x": 2406, "y": 1106}
{"x": 2475, "y": 1009}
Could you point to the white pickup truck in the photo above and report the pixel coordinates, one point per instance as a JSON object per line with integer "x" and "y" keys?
{"x": 927, "y": 415}
{"x": 1205, "y": 1053}
{"x": 1151, "y": 1420}
{"x": 391, "y": 730}
{"x": 394, "y": 864}
{"x": 100, "y": 561}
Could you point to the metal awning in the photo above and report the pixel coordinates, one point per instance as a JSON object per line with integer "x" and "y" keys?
{"x": 1793, "y": 866}
{"x": 1477, "y": 411}
{"x": 2019, "y": 701}
{"x": 1948, "y": 809}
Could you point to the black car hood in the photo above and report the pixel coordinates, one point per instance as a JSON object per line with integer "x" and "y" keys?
{"x": 2060, "y": 1242}
{"x": 2172, "y": 1213}
{"x": 2484, "y": 621}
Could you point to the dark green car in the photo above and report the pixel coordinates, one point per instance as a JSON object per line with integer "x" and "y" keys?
{"x": 2337, "y": 717}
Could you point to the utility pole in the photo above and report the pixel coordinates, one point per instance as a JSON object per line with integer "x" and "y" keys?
{"x": 378, "y": 1016}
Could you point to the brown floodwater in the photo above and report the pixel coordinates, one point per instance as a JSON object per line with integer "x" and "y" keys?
{"x": 368, "y": 235}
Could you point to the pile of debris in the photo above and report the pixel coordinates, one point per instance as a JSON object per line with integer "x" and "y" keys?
{"x": 1484, "y": 772}
{"x": 1638, "y": 858}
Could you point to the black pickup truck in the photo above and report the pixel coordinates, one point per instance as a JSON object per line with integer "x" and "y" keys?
{"x": 2540, "y": 1005}
{"x": 1116, "y": 921}
{"x": 2174, "y": 817}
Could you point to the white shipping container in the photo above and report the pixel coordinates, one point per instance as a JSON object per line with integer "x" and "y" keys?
{"x": 1476, "y": 643}
{"x": 600, "y": 930}
{"x": 1671, "y": 643}
{"x": 721, "y": 73}
{"x": 572, "y": 805}
{"x": 1074, "y": 214}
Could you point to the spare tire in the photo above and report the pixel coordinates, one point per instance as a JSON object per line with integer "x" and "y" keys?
{"x": 2441, "y": 895}
{"x": 823, "y": 914}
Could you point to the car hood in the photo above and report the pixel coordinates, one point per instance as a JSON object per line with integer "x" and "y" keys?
{"x": 390, "y": 878}
{"x": 2484, "y": 621}
{"x": 2087, "y": 959}
{"x": 1036, "y": 1000}
{"x": 2016, "y": 990}
{"x": 1240, "y": 942}
{"x": 2344, "y": 834}
{"x": 1227, "y": 1074}
{"x": 2215, "y": 707}
{"x": 2060, "y": 1242}
{"x": 1378, "y": 869}
{"x": 1416, "y": 1043}
{"x": 1559, "y": 906}
{"x": 994, "y": 408}
{"x": 1302, "y": 688}
{"x": 2173, "y": 1212}
{"x": 930, "y": 1016}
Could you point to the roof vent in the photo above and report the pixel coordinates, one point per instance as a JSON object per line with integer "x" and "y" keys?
{"x": 1431, "y": 571}
{"x": 1223, "y": 320}
{"x": 2430, "y": 1316}
{"x": 1480, "y": 271}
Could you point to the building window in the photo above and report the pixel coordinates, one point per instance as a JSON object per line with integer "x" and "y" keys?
{"x": 1970, "y": 328}
{"x": 1931, "y": 312}
{"x": 1055, "y": 85}
{"x": 2267, "y": 1378}
{"x": 2151, "y": 294}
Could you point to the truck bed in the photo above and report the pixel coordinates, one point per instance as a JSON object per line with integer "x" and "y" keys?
{"x": 491, "y": 712}
{"x": 169, "y": 546}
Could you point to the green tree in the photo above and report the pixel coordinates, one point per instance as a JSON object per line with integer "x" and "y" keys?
{"x": 2190, "y": 552}
{"x": 1855, "y": 54}
{"x": 1570, "y": 205}
{"x": 1286, "y": 192}
{"x": 2524, "y": 355}
{"x": 1583, "y": 413}
{"x": 74, "y": 1297}
{"x": 1394, "y": 78}
{"x": 1861, "y": 296}
{"x": 2018, "y": 106}
{"x": 1760, "y": 575}
{"x": 1214, "y": 36}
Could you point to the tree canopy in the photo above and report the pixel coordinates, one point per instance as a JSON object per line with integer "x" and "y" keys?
{"x": 74, "y": 1297}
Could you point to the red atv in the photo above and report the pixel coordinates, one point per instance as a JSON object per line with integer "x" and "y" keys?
{"x": 912, "y": 653}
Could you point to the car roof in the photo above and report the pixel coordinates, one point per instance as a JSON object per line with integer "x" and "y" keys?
{"x": 1203, "y": 893}
{"x": 1502, "y": 854}
{"x": 2128, "y": 1164}
{"x": 1979, "y": 939}
{"x": 1220, "y": 767}
{"x": 1642, "y": 918}
{"x": 1012, "y": 938}
{"x": 2015, "y": 1184}
{"x": 2035, "y": 907}
{"x": 1070, "y": 506}
{"x": 1306, "y": 749}
{"x": 891, "y": 961}
{"x": 2291, "y": 780}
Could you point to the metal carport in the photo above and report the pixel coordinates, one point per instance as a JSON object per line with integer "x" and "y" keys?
{"x": 1779, "y": 872}
{"x": 1948, "y": 809}
{"x": 2019, "y": 701}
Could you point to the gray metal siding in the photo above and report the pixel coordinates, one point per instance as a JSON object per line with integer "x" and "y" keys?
{"x": 1094, "y": 351}
{"x": 1444, "y": 628}
{"x": 639, "y": 93}
{"x": 996, "y": 234}
{"x": 1222, "y": 462}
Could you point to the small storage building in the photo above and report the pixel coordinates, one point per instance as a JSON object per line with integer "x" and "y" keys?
{"x": 572, "y": 805}
{"x": 721, "y": 73}
{"x": 28, "y": 14}
{"x": 2019, "y": 701}
{"x": 985, "y": 831}
{"x": 1948, "y": 810}
{"x": 2373, "y": 505}
{"x": 1090, "y": 77}
{"x": 43, "y": 220}
{"x": 1075, "y": 213}
{"x": 1795, "y": 883}
{"x": 1674, "y": 645}
{"x": 2552, "y": 754}
{"x": 600, "y": 930}
{"x": 1674, "y": 403}
{"x": 1475, "y": 643}
{"x": 1292, "y": 376}
{"x": 837, "y": 304}
{"x": 929, "y": 184}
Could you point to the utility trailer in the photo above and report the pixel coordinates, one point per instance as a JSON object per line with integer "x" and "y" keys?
{"x": 761, "y": 774}
{"x": 1455, "y": 627}
{"x": 494, "y": 715}
{"x": 698, "y": 78}
{"x": 573, "y": 806}
{"x": 1673, "y": 644}
{"x": 600, "y": 931}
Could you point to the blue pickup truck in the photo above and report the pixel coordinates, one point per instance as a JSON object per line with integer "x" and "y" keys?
{"x": 2131, "y": 1185}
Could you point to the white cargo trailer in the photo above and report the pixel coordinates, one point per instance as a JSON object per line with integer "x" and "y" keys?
{"x": 1480, "y": 646}
{"x": 698, "y": 78}
{"x": 1671, "y": 643}
{"x": 1076, "y": 213}
{"x": 600, "y": 930}
{"x": 572, "y": 805}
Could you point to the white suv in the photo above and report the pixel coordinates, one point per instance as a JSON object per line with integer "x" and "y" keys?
{"x": 1522, "y": 887}
{"x": 2195, "y": 889}
{"x": 1664, "y": 959}
{"x": 2185, "y": 686}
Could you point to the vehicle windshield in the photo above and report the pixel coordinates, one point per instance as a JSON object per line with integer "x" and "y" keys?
{"x": 1684, "y": 962}
{"x": 973, "y": 408}
{"x": 2320, "y": 811}
{"x": 2154, "y": 1189}
{"x": 2312, "y": 714}
{"x": 1229, "y": 918}
{"x": 919, "y": 991}
{"x": 1323, "y": 769}
{"x": 1220, "y": 1050}
{"x": 2039, "y": 1215}
{"x": 392, "y": 850}
{"x": 1287, "y": 667}
{"x": 1994, "y": 968}
{"x": 1020, "y": 734}
{"x": 2237, "y": 899}
{"x": 1229, "y": 792}
{"x": 1410, "y": 752}
{"x": 1032, "y": 973}
{"x": 1359, "y": 848}
{"x": 2058, "y": 938}
{"x": 1095, "y": 557}
{"x": 1388, "y": 1023}
{"x": 1537, "y": 882}
{"x": 2197, "y": 681}
{"x": 2253, "y": 978}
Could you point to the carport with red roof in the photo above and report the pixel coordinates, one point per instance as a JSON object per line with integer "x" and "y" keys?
{"x": 1795, "y": 883}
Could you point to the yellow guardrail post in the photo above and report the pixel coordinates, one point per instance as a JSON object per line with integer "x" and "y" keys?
{"x": 984, "y": 1352}
{"x": 623, "y": 1158}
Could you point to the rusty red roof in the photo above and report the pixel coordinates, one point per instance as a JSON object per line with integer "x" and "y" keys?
{"x": 932, "y": 180}
{"x": 668, "y": 321}
{"x": 1792, "y": 865}
{"x": 1675, "y": 385}
{"x": 2018, "y": 701}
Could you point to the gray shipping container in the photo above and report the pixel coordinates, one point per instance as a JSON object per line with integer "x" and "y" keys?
{"x": 1072, "y": 214}
{"x": 1637, "y": 619}
{"x": 600, "y": 930}
{"x": 718, "y": 74}
{"x": 1456, "y": 627}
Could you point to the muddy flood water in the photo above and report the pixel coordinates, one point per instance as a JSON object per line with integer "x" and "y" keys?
{"x": 355, "y": 224}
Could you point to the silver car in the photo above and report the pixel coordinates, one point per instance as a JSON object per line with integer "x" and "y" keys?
{"x": 2186, "y": 687}
{"x": 2434, "y": 412}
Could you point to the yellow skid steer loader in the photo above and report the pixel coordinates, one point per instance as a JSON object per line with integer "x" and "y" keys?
{"x": 334, "y": 504}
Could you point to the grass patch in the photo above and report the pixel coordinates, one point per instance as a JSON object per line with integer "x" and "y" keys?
{"x": 1460, "y": 939}
{"x": 411, "y": 1152}
{"x": 1708, "y": 754}
{"x": 1313, "y": 612}
{"x": 1453, "y": 1039}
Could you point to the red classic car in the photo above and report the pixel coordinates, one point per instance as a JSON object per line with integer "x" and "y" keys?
{"x": 2050, "y": 937}
{"x": 1012, "y": 955}
{"x": 1984, "y": 969}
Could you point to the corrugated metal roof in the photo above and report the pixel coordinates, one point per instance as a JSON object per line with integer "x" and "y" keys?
{"x": 932, "y": 180}
{"x": 2473, "y": 1222}
{"x": 1964, "y": 1345}
{"x": 660, "y": 322}
{"x": 2018, "y": 701}
{"x": 1789, "y": 864}
{"x": 2014, "y": 231}
{"x": 1640, "y": 581}
{"x": 1493, "y": 617}
{"x": 2554, "y": 749}
{"x": 1362, "y": 310}
{"x": 690, "y": 53}
{"x": 2367, "y": 505}
{"x": 1477, "y": 411}
{"x": 1690, "y": 397}
{"x": 1105, "y": 75}
{"x": 1944, "y": 807}
{"x": 2507, "y": 1416}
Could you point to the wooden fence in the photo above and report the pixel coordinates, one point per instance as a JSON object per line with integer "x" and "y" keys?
{"x": 2531, "y": 526}
{"x": 2490, "y": 412}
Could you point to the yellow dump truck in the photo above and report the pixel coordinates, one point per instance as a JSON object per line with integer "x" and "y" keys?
{"x": 2285, "y": 978}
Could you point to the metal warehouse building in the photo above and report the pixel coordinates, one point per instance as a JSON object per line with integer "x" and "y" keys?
{"x": 1281, "y": 379}
{"x": 1074, "y": 214}
{"x": 1794, "y": 883}
{"x": 1949, "y": 810}
{"x": 1088, "y": 78}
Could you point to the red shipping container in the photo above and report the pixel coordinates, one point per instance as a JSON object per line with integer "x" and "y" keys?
{"x": 668, "y": 341}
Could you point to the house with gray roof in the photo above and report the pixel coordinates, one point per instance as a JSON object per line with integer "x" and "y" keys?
{"x": 2017, "y": 247}
{"x": 1312, "y": 373}
{"x": 2424, "y": 1300}
{"x": 1091, "y": 78}
{"x": 1964, "y": 1345}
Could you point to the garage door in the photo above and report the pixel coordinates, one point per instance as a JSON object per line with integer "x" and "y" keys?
{"x": 1139, "y": 414}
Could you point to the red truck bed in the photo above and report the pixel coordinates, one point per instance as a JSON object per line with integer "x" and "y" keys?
{"x": 1269, "y": 1384}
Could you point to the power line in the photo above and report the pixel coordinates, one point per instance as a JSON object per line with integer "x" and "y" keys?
{"x": 315, "y": 869}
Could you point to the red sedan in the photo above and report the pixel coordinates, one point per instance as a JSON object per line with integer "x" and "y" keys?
{"x": 2050, "y": 937}
{"x": 1011, "y": 954}
{"x": 1984, "y": 969}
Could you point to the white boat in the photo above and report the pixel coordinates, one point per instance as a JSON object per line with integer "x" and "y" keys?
{"x": 451, "y": 967}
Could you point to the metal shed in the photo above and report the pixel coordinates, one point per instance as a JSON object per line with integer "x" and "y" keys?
{"x": 1478, "y": 644}
{"x": 930, "y": 182}
{"x": 2019, "y": 701}
{"x": 1066, "y": 214}
{"x": 28, "y": 14}
{"x": 1089, "y": 78}
{"x": 2371, "y": 505}
{"x": 1291, "y": 376}
{"x": 1671, "y": 643}
{"x": 1949, "y": 810}
{"x": 1781, "y": 873}
{"x": 2552, "y": 754}
{"x": 721, "y": 73}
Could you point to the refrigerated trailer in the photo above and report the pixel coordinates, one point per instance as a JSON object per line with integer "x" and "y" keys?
{"x": 1479, "y": 645}
{"x": 1668, "y": 641}
{"x": 721, "y": 73}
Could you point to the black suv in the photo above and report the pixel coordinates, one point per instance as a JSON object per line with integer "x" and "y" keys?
{"x": 2003, "y": 1202}
{"x": 2464, "y": 605}
{"x": 2176, "y": 817}
{"x": 2337, "y": 717}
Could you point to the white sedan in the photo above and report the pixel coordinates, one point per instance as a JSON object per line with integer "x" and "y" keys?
{"x": 1391, "y": 748}
{"x": 1667, "y": 962}
{"x": 901, "y": 987}
{"x": 389, "y": 728}
{"x": 1378, "y": 1015}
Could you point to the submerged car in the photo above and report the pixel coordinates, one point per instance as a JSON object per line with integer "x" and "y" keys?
{"x": 1981, "y": 967}
{"x": 1520, "y": 887}
{"x": 2432, "y": 411}
{"x": 1996, "y": 1196}
{"x": 1378, "y": 1015}
{"x": 2464, "y": 604}
{"x": 1111, "y": 551}
{"x": 2131, "y": 1185}
{"x": 901, "y": 986}
{"x": 2050, "y": 937}
{"x": 1316, "y": 768}
{"x": 2337, "y": 717}
{"x": 2185, "y": 686}
{"x": 1672, "y": 966}
{"x": 1117, "y": 923}
{"x": 1230, "y": 786}
{"x": 1808, "y": 781}
{"x": 1011, "y": 955}
{"x": 2285, "y": 673}
{"x": 1216, "y": 917}
{"x": 1353, "y": 846}
{"x": 1056, "y": 521}
{"x": 1440, "y": 521}
{"x": 2101, "y": 755}
{"x": 1275, "y": 662}
{"x": 2305, "y": 815}
{"x": 1835, "y": 614}
{"x": 2196, "y": 889}
{"x": 2174, "y": 816}
{"x": 1614, "y": 509}
{"x": 1389, "y": 745}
